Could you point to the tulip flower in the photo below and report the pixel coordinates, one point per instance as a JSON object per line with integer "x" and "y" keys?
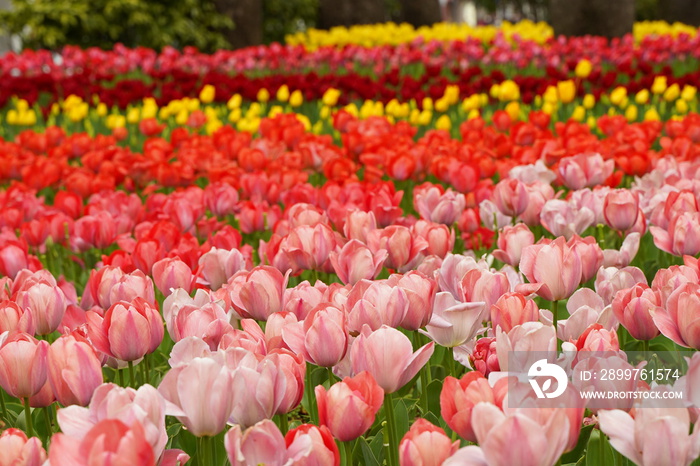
{"x": 172, "y": 273}
{"x": 262, "y": 443}
{"x": 17, "y": 449}
{"x": 513, "y": 309}
{"x": 553, "y": 269}
{"x": 109, "y": 442}
{"x": 621, "y": 208}
{"x": 74, "y": 369}
{"x": 426, "y": 445}
{"x": 199, "y": 393}
{"x": 349, "y": 407}
{"x": 308, "y": 444}
{"x": 511, "y": 241}
{"x": 321, "y": 338}
{"x": 46, "y": 303}
{"x": 633, "y": 308}
{"x": 375, "y": 304}
{"x": 453, "y": 323}
{"x": 680, "y": 321}
{"x": 484, "y": 357}
{"x": 403, "y": 247}
{"x": 216, "y": 266}
{"x": 354, "y": 261}
{"x": 524, "y": 344}
{"x": 458, "y": 398}
{"x": 129, "y": 331}
{"x": 14, "y": 318}
{"x": 388, "y": 356}
{"x": 511, "y": 197}
{"x": 682, "y": 235}
{"x": 23, "y": 367}
{"x": 585, "y": 170}
{"x": 436, "y": 206}
{"x": 440, "y": 238}
{"x": 258, "y": 293}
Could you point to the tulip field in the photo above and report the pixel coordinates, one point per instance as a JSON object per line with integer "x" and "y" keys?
{"x": 458, "y": 246}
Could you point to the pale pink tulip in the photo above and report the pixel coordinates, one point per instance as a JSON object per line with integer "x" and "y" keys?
{"x": 453, "y": 323}
{"x": 682, "y": 235}
{"x": 17, "y": 449}
{"x": 262, "y": 443}
{"x": 437, "y": 206}
{"x": 388, "y": 356}
{"x": 301, "y": 299}
{"x": 511, "y": 241}
{"x": 15, "y": 319}
{"x": 511, "y": 197}
{"x": 562, "y": 218}
{"x": 479, "y": 285}
{"x": 609, "y": 280}
{"x": 308, "y": 247}
{"x": 426, "y": 445}
{"x": 74, "y": 369}
{"x": 375, "y": 304}
{"x": 524, "y": 345}
{"x": 454, "y": 267}
{"x": 216, "y": 266}
{"x": 349, "y": 407}
{"x": 402, "y": 245}
{"x": 311, "y": 445}
{"x": 23, "y": 365}
{"x": 627, "y": 252}
{"x": 420, "y": 291}
{"x": 666, "y": 281}
{"x": 633, "y": 307}
{"x": 621, "y": 208}
{"x": 585, "y": 170}
{"x": 46, "y": 303}
{"x": 322, "y": 338}
{"x": 440, "y": 238}
{"x": 553, "y": 269}
{"x": 354, "y": 261}
{"x": 258, "y": 293}
{"x": 513, "y": 309}
{"x": 680, "y": 321}
{"x": 172, "y": 273}
{"x": 358, "y": 224}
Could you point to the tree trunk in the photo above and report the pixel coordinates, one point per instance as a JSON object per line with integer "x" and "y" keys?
{"x": 247, "y": 18}
{"x": 685, "y": 11}
{"x": 420, "y": 12}
{"x": 608, "y": 18}
{"x": 346, "y": 12}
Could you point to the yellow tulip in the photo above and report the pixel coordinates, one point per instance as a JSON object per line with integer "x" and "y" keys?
{"x": 551, "y": 95}
{"x": 443, "y": 123}
{"x": 566, "y": 90}
{"x": 425, "y": 117}
{"x": 659, "y": 85}
{"x": 234, "y": 102}
{"x": 631, "y": 113}
{"x": 618, "y": 95}
{"x": 508, "y": 91}
{"x": 296, "y": 99}
{"x": 579, "y": 113}
{"x": 235, "y": 115}
{"x": 473, "y": 114}
{"x": 672, "y": 92}
{"x": 642, "y": 97}
{"x": 588, "y": 101}
{"x": 133, "y": 115}
{"x": 263, "y": 95}
{"x": 682, "y": 106}
{"x": 283, "y": 93}
{"x": 513, "y": 110}
{"x": 101, "y": 109}
{"x": 325, "y": 112}
{"x": 274, "y": 111}
{"x": 651, "y": 115}
{"x": 12, "y": 116}
{"x": 441, "y": 105}
{"x": 583, "y": 69}
{"x": 182, "y": 116}
{"x": 427, "y": 103}
{"x": 330, "y": 97}
{"x": 207, "y": 94}
{"x": 688, "y": 92}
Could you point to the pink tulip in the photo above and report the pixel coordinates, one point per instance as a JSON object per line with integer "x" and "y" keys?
{"x": 621, "y": 209}
{"x": 308, "y": 247}
{"x": 131, "y": 286}
{"x": 680, "y": 321}
{"x": 172, "y": 273}
{"x": 484, "y": 357}
{"x": 524, "y": 345}
{"x": 538, "y": 194}
{"x": 454, "y": 267}
{"x": 655, "y": 435}
{"x": 562, "y": 218}
{"x": 293, "y": 368}
{"x": 262, "y": 443}
{"x": 458, "y": 398}
{"x": 440, "y": 238}
{"x": 596, "y": 339}
{"x": 511, "y": 197}
{"x": 609, "y": 280}
{"x": 221, "y": 199}
{"x": 311, "y": 445}
{"x": 23, "y": 365}
{"x": 216, "y": 266}
{"x": 354, "y": 261}
{"x": 420, "y": 291}
{"x": 553, "y": 269}
{"x": 676, "y": 203}
{"x": 144, "y": 406}
{"x": 208, "y": 322}
{"x": 627, "y": 252}
{"x": 358, "y": 224}
{"x": 74, "y": 369}
{"x": 682, "y": 235}
{"x": 129, "y": 331}
{"x": 108, "y": 442}
{"x": 453, "y": 323}
{"x": 375, "y": 304}
{"x": 585, "y": 170}
{"x": 17, "y": 449}
{"x": 513, "y": 309}
{"x": 14, "y": 318}
{"x": 349, "y": 407}
{"x": 585, "y": 308}
{"x": 693, "y": 379}
{"x": 426, "y": 445}
{"x": 633, "y": 307}
{"x": 666, "y": 281}
{"x": 403, "y": 247}
{"x": 13, "y": 258}
{"x": 200, "y": 394}
{"x": 491, "y": 217}
{"x": 590, "y": 254}
{"x": 388, "y": 356}
{"x": 591, "y": 199}
{"x": 511, "y": 241}
{"x": 436, "y": 206}
{"x": 44, "y": 398}
{"x": 258, "y": 293}
{"x": 322, "y": 338}
{"x": 528, "y": 437}
{"x": 47, "y": 304}
{"x": 479, "y": 285}
{"x": 301, "y": 299}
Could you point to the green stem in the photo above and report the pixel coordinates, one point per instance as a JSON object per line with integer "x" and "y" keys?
{"x": 2, "y": 403}
{"x": 144, "y": 373}
{"x": 284, "y": 424}
{"x": 121, "y": 377}
{"x": 645, "y": 346}
{"x": 47, "y": 419}
{"x": 555, "y": 320}
{"x": 311, "y": 397}
{"x": 424, "y": 382}
{"x": 132, "y": 377}
{"x": 28, "y": 417}
{"x": 390, "y": 431}
{"x": 347, "y": 453}
{"x": 450, "y": 362}
{"x": 331, "y": 377}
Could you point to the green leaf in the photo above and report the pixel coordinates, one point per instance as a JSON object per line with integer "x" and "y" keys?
{"x": 434, "y": 390}
{"x": 368, "y": 455}
{"x": 599, "y": 451}
{"x": 577, "y": 453}
{"x": 401, "y": 413}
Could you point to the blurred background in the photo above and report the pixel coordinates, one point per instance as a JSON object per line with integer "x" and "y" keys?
{"x": 214, "y": 24}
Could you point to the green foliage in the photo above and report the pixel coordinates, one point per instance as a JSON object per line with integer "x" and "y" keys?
{"x": 152, "y": 23}
{"x": 282, "y": 17}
